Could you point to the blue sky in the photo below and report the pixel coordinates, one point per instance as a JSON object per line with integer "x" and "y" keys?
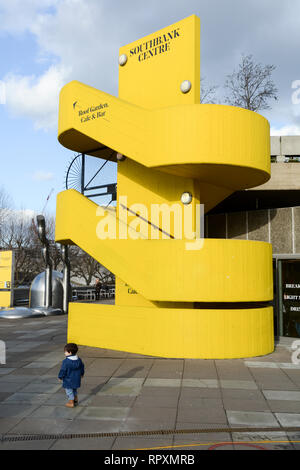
{"x": 46, "y": 43}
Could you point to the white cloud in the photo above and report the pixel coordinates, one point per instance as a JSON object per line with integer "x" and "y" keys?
{"x": 36, "y": 97}
{"x": 72, "y": 35}
{"x": 17, "y": 16}
{"x": 286, "y": 130}
{"x": 81, "y": 39}
{"x": 23, "y": 214}
{"x": 41, "y": 175}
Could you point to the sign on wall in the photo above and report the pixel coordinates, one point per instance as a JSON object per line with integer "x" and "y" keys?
{"x": 6, "y": 278}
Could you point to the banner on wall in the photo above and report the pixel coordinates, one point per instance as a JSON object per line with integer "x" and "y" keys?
{"x": 6, "y": 278}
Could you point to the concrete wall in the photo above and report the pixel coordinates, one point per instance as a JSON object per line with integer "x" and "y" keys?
{"x": 281, "y": 227}
{"x": 283, "y": 176}
{"x": 285, "y": 145}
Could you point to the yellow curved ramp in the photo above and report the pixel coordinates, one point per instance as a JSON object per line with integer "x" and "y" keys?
{"x": 221, "y": 145}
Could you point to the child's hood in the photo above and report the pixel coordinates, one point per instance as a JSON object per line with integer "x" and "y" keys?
{"x": 73, "y": 362}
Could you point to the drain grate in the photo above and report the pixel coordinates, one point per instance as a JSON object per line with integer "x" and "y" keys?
{"x": 162, "y": 432}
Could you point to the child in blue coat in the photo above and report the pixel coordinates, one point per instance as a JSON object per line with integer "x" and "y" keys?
{"x": 72, "y": 369}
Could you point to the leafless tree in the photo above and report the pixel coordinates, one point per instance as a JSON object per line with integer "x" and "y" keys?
{"x": 207, "y": 93}
{"x": 18, "y": 232}
{"x": 86, "y": 267}
{"x": 251, "y": 87}
{"x": 5, "y": 207}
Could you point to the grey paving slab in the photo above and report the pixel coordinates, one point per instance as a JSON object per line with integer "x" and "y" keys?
{"x": 261, "y": 365}
{"x": 153, "y": 414}
{"x": 245, "y": 405}
{"x": 112, "y": 401}
{"x": 239, "y": 384}
{"x": 23, "y": 379}
{"x": 259, "y": 436}
{"x": 27, "y": 445}
{"x": 202, "y": 415}
{"x": 47, "y": 411}
{"x": 51, "y": 357}
{"x": 6, "y": 370}
{"x": 203, "y": 383}
{"x": 257, "y": 445}
{"x": 191, "y": 392}
{"x": 281, "y": 395}
{"x": 288, "y": 365}
{"x": 198, "y": 369}
{"x": 138, "y": 424}
{"x": 102, "y": 367}
{"x": 6, "y": 424}
{"x": 46, "y": 379}
{"x": 284, "y": 406}
{"x": 30, "y": 372}
{"x": 210, "y": 403}
{"x": 134, "y": 368}
{"x": 103, "y": 443}
{"x": 16, "y": 410}
{"x": 201, "y": 438}
{"x": 86, "y": 425}
{"x": 28, "y": 335}
{"x": 147, "y": 444}
{"x": 29, "y": 398}
{"x": 27, "y": 346}
{"x": 4, "y": 395}
{"x": 251, "y": 418}
{"x": 40, "y": 388}
{"x": 94, "y": 380}
{"x": 229, "y": 370}
{"x": 243, "y": 394}
{"x": 163, "y": 368}
{"x": 40, "y": 364}
{"x": 161, "y": 382}
{"x": 273, "y": 379}
{"x": 104, "y": 413}
{"x": 162, "y": 391}
{"x": 288, "y": 419}
{"x": 162, "y": 401}
{"x": 122, "y": 386}
{"x": 40, "y": 426}
{"x": 10, "y": 386}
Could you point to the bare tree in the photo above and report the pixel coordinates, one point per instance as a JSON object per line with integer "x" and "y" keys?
{"x": 251, "y": 87}
{"x": 207, "y": 94}
{"x": 16, "y": 235}
{"x": 86, "y": 267}
{"x": 5, "y": 207}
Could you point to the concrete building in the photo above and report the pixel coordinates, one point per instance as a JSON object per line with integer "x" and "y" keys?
{"x": 271, "y": 213}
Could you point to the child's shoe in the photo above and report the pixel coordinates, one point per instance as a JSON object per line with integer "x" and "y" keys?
{"x": 76, "y": 400}
{"x": 70, "y": 404}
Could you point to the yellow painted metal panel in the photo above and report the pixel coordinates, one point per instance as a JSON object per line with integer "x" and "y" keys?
{"x": 181, "y": 333}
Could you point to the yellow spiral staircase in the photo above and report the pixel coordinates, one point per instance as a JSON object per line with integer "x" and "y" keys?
{"x": 177, "y": 294}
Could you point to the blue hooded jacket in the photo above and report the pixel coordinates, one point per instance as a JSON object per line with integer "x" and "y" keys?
{"x": 72, "y": 369}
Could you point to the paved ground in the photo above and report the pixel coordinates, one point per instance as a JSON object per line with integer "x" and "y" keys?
{"x": 124, "y": 392}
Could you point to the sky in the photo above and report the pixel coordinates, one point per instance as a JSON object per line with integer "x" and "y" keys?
{"x": 44, "y": 44}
